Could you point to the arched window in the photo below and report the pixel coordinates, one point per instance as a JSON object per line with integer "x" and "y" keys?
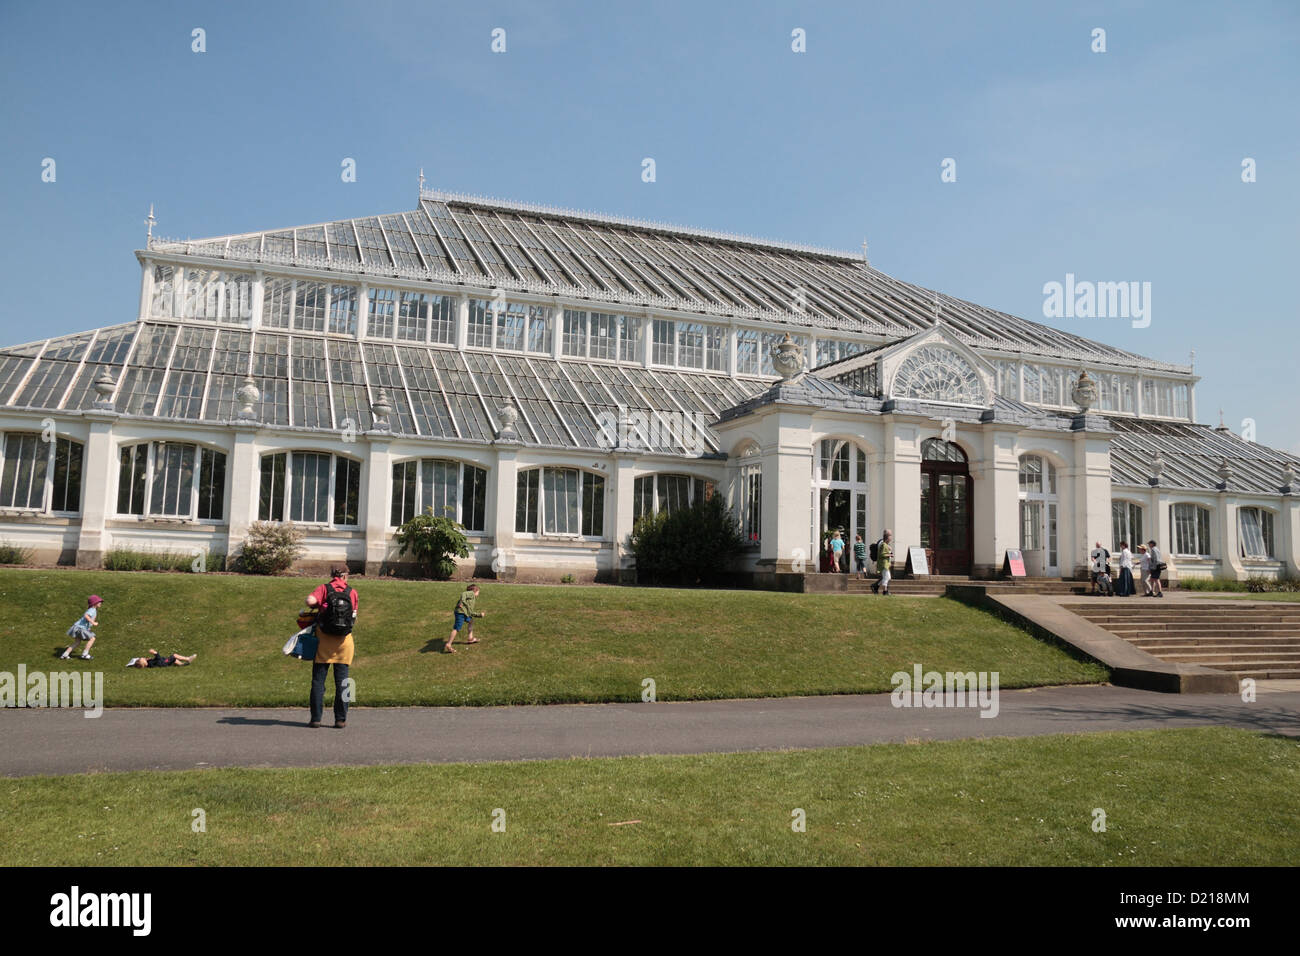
{"x": 1038, "y": 509}
{"x": 936, "y": 449}
{"x": 38, "y": 475}
{"x": 1255, "y": 537}
{"x": 310, "y": 488}
{"x": 171, "y": 479}
{"x": 450, "y": 488}
{"x": 1191, "y": 529}
{"x": 936, "y": 373}
{"x": 654, "y": 493}
{"x": 840, "y": 486}
{"x": 560, "y": 501}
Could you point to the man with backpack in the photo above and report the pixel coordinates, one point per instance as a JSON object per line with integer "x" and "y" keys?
{"x": 882, "y": 553}
{"x": 1100, "y": 562}
{"x": 338, "y": 613}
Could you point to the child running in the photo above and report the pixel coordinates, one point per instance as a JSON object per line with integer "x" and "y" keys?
{"x": 465, "y": 614}
{"x": 83, "y": 630}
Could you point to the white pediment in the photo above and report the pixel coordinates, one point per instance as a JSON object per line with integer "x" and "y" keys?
{"x": 931, "y": 366}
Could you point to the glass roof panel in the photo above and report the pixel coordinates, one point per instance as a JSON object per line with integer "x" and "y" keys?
{"x": 343, "y": 244}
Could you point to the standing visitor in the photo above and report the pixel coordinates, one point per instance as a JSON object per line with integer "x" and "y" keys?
{"x": 1145, "y": 565}
{"x": 884, "y": 559}
{"x": 837, "y": 552}
{"x": 1158, "y": 568}
{"x": 1125, "y": 588}
{"x": 1100, "y": 561}
{"x": 860, "y": 555}
{"x": 338, "y": 614}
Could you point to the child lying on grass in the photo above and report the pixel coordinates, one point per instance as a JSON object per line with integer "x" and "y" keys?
{"x": 171, "y": 660}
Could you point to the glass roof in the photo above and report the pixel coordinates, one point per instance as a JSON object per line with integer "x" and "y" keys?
{"x": 1192, "y": 457}
{"x": 535, "y": 249}
{"x": 180, "y": 372}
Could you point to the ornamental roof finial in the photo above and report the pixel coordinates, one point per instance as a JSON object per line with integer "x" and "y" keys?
{"x": 150, "y": 223}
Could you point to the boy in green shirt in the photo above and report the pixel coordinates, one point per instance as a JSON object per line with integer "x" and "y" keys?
{"x": 465, "y": 614}
{"x": 860, "y": 555}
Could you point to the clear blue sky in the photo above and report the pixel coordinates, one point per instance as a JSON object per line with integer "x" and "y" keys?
{"x": 1123, "y": 165}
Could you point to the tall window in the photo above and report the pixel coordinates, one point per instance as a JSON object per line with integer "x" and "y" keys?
{"x": 37, "y": 475}
{"x": 1255, "y": 539}
{"x": 652, "y": 494}
{"x": 449, "y": 488}
{"x": 747, "y": 357}
{"x": 478, "y": 331}
{"x": 601, "y": 335}
{"x": 1191, "y": 527}
{"x": 751, "y": 498}
{"x": 379, "y": 320}
{"x": 1039, "y": 508}
{"x": 310, "y": 487}
{"x": 423, "y": 316}
{"x": 164, "y": 294}
{"x": 663, "y": 343}
{"x": 560, "y": 501}
{"x": 1126, "y": 523}
{"x": 171, "y": 479}
{"x": 217, "y": 296}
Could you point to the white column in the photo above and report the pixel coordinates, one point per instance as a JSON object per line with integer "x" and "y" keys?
{"x": 363, "y": 310}
{"x": 1091, "y": 473}
{"x": 900, "y": 488}
{"x": 146, "y": 288}
{"x": 96, "y": 495}
{"x": 376, "y": 481}
{"x": 462, "y": 322}
{"x": 557, "y": 337}
{"x": 731, "y": 350}
{"x": 787, "y": 469}
{"x": 624, "y": 476}
{"x": 1230, "y": 565}
{"x": 501, "y": 510}
{"x": 996, "y": 500}
{"x": 259, "y": 295}
{"x": 244, "y": 477}
{"x": 647, "y": 339}
{"x": 1287, "y": 534}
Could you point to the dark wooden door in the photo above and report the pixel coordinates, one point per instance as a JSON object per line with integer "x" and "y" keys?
{"x": 946, "y": 516}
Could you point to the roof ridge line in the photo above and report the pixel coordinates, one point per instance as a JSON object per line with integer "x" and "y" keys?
{"x": 493, "y": 202}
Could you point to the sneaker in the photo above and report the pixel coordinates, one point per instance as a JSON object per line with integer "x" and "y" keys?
{"x": 314, "y": 723}
{"x": 86, "y": 657}
{"x": 340, "y": 724}
{"x": 875, "y": 589}
{"x": 64, "y": 655}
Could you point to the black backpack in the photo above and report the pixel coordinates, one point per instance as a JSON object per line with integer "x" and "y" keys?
{"x": 336, "y": 612}
{"x": 875, "y": 550}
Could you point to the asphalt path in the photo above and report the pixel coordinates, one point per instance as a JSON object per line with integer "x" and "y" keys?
{"x": 59, "y": 741}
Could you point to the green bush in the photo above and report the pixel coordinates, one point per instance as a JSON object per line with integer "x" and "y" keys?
{"x": 1255, "y": 584}
{"x": 14, "y": 554}
{"x": 568, "y": 579}
{"x": 691, "y": 545}
{"x": 433, "y": 542}
{"x": 132, "y": 559}
{"x": 270, "y": 548}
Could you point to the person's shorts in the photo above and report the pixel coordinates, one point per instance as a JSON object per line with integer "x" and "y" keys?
{"x": 461, "y": 621}
{"x": 862, "y": 565}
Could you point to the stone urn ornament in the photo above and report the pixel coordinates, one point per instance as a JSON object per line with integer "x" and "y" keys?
{"x": 1084, "y": 393}
{"x": 1288, "y": 479}
{"x": 788, "y": 358}
{"x": 248, "y": 396}
{"x": 1157, "y": 468}
{"x": 104, "y": 386}
{"x": 1225, "y": 473}
{"x": 507, "y": 414}
{"x": 381, "y": 408}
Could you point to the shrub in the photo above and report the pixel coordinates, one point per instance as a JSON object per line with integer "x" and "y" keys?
{"x": 568, "y": 579}
{"x": 688, "y": 546}
{"x": 1255, "y": 584}
{"x": 433, "y": 542}
{"x": 14, "y": 554}
{"x": 270, "y": 548}
{"x": 131, "y": 559}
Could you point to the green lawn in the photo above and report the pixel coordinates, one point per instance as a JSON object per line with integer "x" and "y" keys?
{"x": 537, "y": 644}
{"x": 1171, "y": 798}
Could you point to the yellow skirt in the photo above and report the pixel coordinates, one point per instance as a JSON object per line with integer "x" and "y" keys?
{"x": 333, "y": 650}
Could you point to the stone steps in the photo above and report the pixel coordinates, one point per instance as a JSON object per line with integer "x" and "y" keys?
{"x": 1249, "y": 641}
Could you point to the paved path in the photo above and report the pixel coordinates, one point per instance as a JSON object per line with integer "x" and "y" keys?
{"x": 64, "y": 741}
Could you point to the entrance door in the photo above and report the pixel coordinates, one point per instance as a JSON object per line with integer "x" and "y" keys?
{"x": 946, "y": 516}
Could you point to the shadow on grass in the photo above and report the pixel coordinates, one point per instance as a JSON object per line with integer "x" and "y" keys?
{"x": 1230, "y": 712}
{"x": 435, "y": 645}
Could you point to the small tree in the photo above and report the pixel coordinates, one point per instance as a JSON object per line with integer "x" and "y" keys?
{"x": 270, "y": 548}
{"x": 433, "y": 542}
{"x": 688, "y": 546}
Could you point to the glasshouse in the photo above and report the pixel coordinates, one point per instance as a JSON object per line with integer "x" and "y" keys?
{"x": 546, "y": 377}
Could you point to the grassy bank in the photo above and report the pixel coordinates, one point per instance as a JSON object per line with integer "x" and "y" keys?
{"x": 1171, "y": 798}
{"x": 537, "y": 644}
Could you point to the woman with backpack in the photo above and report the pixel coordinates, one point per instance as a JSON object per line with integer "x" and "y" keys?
{"x": 338, "y": 613}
